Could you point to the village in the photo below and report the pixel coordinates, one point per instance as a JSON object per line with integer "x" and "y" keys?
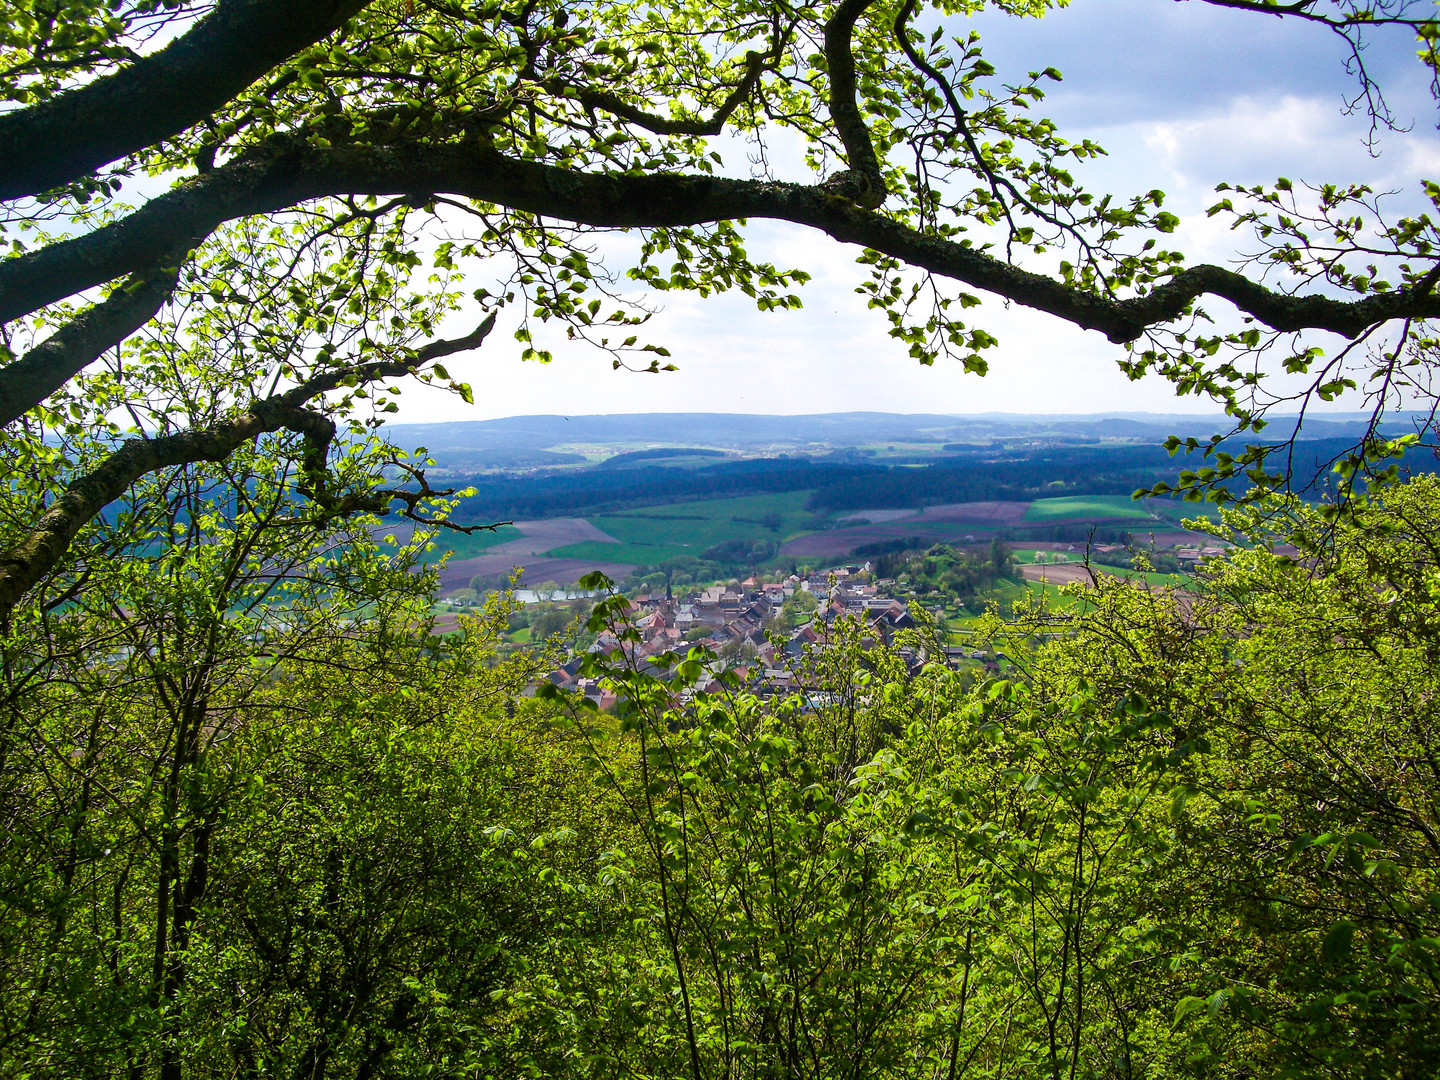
{"x": 762, "y": 630}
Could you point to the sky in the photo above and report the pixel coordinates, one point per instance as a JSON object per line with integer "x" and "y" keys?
{"x": 1182, "y": 95}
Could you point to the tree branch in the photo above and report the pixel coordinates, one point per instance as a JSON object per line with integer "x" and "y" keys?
{"x": 281, "y": 177}
{"x": 59, "y": 358}
{"x": 1358, "y": 18}
{"x": 863, "y": 183}
{"x": 185, "y": 215}
{"x": 27, "y": 563}
{"x": 158, "y": 96}
{"x": 663, "y": 125}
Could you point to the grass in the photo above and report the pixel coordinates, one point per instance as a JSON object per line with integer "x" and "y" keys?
{"x": 597, "y": 551}
{"x": 1028, "y": 556}
{"x": 1054, "y": 598}
{"x": 1077, "y": 558}
{"x": 1177, "y": 510}
{"x": 654, "y": 533}
{"x": 1151, "y": 577}
{"x": 1087, "y": 507}
{"x": 466, "y": 547}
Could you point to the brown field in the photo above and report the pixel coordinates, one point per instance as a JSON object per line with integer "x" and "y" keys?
{"x": 983, "y": 517}
{"x": 537, "y": 537}
{"x": 457, "y": 574}
{"x": 1170, "y": 537}
{"x": 1057, "y": 574}
{"x": 529, "y": 550}
{"x": 837, "y": 543}
{"x": 878, "y": 517}
{"x": 983, "y": 514}
{"x": 550, "y": 533}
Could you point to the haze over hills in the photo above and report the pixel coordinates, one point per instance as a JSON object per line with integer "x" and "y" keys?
{"x": 530, "y": 442}
{"x": 746, "y": 429}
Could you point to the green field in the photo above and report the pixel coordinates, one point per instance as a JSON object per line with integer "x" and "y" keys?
{"x": 595, "y": 551}
{"x": 1026, "y": 556}
{"x": 1011, "y": 592}
{"x": 1087, "y": 507}
{"x": 1151, "y": 578}
{"x": 1177, "y": 510}
{"x": 655, "y": 533}
{"x": 1054, "y": 598}
{"x": 672, "y": 461}
{"x": 468, "y": 546}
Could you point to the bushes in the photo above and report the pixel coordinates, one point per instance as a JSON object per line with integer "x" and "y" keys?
{"x": 1195, "y": 839}
{"x": 741, "y": 552}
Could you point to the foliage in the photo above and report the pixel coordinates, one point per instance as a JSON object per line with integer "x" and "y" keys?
{"x": 1190, "y": 840}
{"x": 799, "y": 607}
{"x": 741, "y": 552}
{"x": 260, "y": 820}
{"x": 304, "y": 835}
{"x": 945, "y": 572}
{"x": 1160, "y": 562}
{"x": 232, "y": 798}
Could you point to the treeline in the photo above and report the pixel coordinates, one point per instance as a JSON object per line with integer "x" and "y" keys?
{"x": 847, "y": 484}
{"x": 595, "y": 491}
{"x": 837, "y": 485}
{"x": 944, "y": 572}
{"x": 654, "y": 452}
{"x": 977, "y": 478}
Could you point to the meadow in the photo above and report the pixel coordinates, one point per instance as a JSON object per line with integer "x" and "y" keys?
{"x": 468, "y": 545}
{"x": 652, "y": 534}
{"x": 1088, "y": 507}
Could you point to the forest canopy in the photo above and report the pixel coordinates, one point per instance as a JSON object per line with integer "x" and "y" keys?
{"x": 261, "y": 819}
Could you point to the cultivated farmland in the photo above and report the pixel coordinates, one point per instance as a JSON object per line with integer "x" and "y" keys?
{"x": 650, "y": 535}
{"x": 1084, "y": 508}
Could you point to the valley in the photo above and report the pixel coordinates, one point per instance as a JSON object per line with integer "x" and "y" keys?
{"x": 763, "y": 494}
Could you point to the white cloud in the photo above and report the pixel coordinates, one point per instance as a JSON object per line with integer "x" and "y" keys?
{"x": 1257, "y": 139}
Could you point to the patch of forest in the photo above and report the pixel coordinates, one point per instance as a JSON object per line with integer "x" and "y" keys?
{"x": 849, "y": 484}
{"x": 837, "y": 486}
{"x": 657, "y": 453}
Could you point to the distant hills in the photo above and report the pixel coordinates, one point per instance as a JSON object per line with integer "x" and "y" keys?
{"x": 549, "y": 466}
{"x": 530, "y": 441}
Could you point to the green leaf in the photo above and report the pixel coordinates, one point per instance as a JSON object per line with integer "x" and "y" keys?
{"x": 1339, "y": 942}
{"x": 1187, "y": 1006}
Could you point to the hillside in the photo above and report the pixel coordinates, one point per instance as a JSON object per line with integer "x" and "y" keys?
{"x": 714, "y": 493}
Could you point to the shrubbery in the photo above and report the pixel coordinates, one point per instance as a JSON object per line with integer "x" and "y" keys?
{"x": 1196, "y": 838}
